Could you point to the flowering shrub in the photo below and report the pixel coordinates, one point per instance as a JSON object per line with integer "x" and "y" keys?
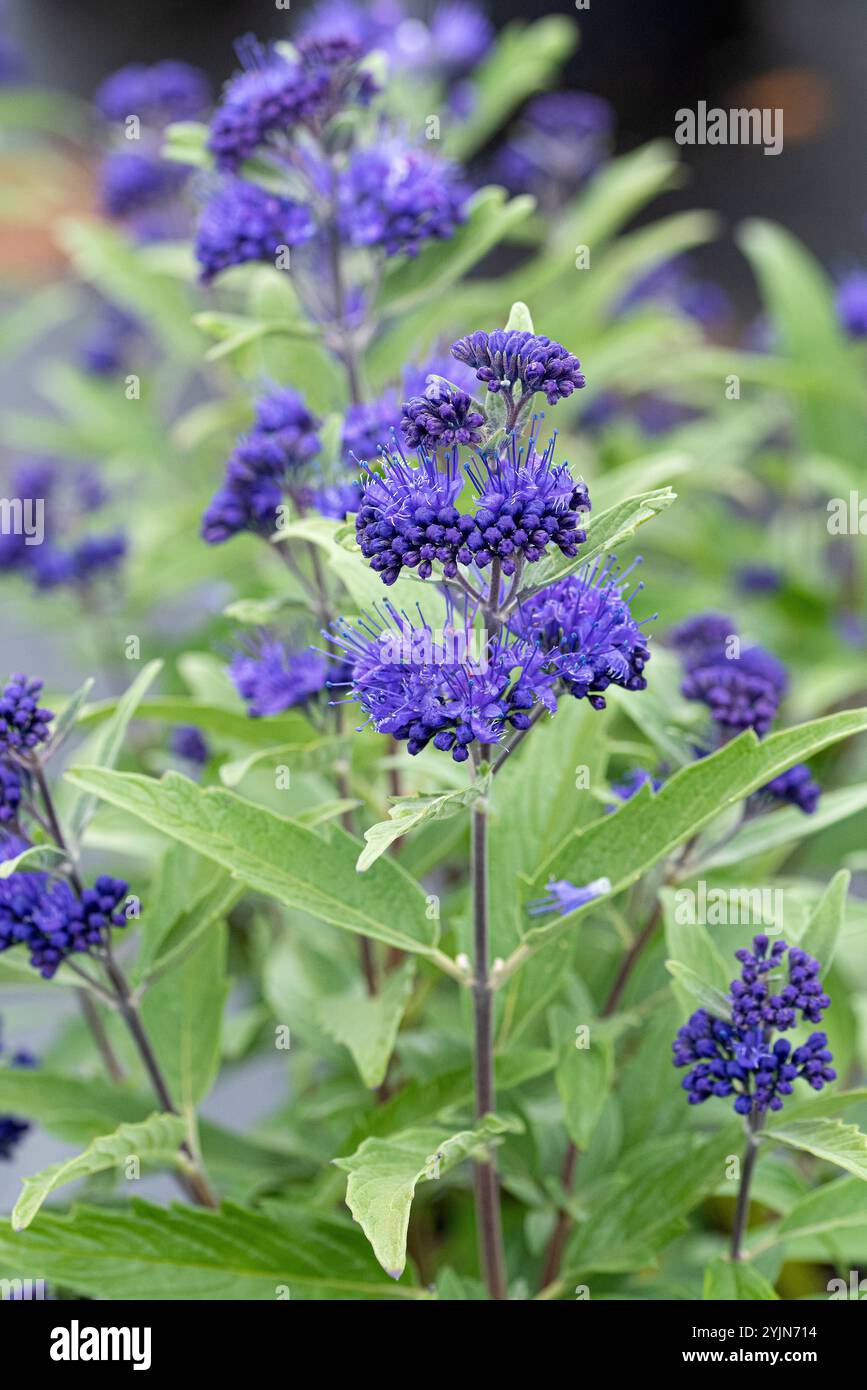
{"x": 361, "y": 743}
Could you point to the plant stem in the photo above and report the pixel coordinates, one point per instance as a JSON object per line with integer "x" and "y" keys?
{"x": 486, "y": 1180}
{"x": 193, "y": 1181}
{"x": 743, "y": 1206}
{"x": 99, "y": 1035}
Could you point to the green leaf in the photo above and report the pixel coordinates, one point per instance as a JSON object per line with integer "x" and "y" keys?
{"x": 275, "y": 855}
{"x": 147, "y": 1252}
{"x": 778, "y": 829}
{"x": 103, "y": 256}
{"x": 524, "y": 61}
{"x": 37, "y": 857}
{"x": 707, "y": 995}
{"x": 840, "y": 1205}
{"x": 728, "y": 1280}
{"x": 644, "y": 1204}
{"x": 229, "y": 728}
{"x": 822, "y": 932}
{"x": 406, "y": 813}
{"x": 491, "y": 216}
{"x": 520, "y": 319}
{"x": 838, "y": 1143}
{"x": 186, "y": 142}
{"x": 187, "y": 897}
{"x": 648, "y": 827}
{"x": 368, "y": 1024}
{"x": 583, "y": 1079}
{"x": 800, "y": 298}
{"x": 312, "y": 753}
{"x": 609, "y": 530}
{"x": 363, "y": 584}
{"x": 65, "y": 721}
{"x": 183, "y": 1012}
{"x": 691, "y": 945}
{"x": 384, "y": 1173}
{"x": 155, "y": 1140}
{"x": 106, "y": 745}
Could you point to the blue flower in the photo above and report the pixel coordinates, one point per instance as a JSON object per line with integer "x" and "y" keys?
{"x": 370, "y": 426}
{"x": 585, "y": 623}
{"x": 263, "y": 465}
{"x": 12, "y": 1130}
{"x": 130, "y": 182}
{"x": 796, "y": 786}
{"x": 11, "y": 791}
{"x": 740, "y": 1056}
{"x": 632, "y": 782}
{"x": 852, "y": 303}
{"x": 740, "y": 693}
{"x": 525, "y": 502}
{"x": 275, "y": 95}
{"x": 408, "y": 516}
{"x": 189, "y": 743}
{"x": 443, "y": 415}
{"x": 103, "y": 350}
{"x": 241, "y": 222}
{"x": 460, "y": 36}
{"x": 23, "y": 721}
{"x": 396, "y": 198}
{"x": 562, "y": 137}
{"x": 564, "y": 897}
{"x": 163, "y": 92}
{"x": 512, "y": 357}
{"x": 271, "y": 678}
{"x": 47, "y": 917}
{"x": 449, "y": 688}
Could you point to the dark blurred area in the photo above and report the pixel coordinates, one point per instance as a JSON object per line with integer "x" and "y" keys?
{"x": 648, "y": 59}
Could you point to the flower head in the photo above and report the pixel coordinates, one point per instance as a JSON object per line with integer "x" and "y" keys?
{"x": 397, "y": 198}
{"x": 370, "y": 426}
{"x": 23, "y": 721}
{"x": 407, "y": 516}
{"x": 276, "y": 95}
{"x": 163, "y": 92}
{"x": 11, "y": 791}
{"x": 513, "y": 357}
{"x": 565, "y": 897}
{"x": 525, "y": 503}
{"x": 741, "y": 693}
{"x": 272, "y": 678}
{"x": 241, "y": 222}
{"x": 189, "y": 743}
{"x": 460, "y": 36}
{"x": 797, "y": 787}
{"x": 54, "y": 922}
{"x": 443, "y": 415}
{"x": 450, "y": 688}
{"x": 586, "y": 623}
{"x": 778, "y": 989}
{"x": 131, "y": 182}
{"x": 852, "y": 303}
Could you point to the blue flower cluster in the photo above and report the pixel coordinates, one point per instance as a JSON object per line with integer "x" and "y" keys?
{"x": 443, "y": 415}
{"x": 277, "y": 95}
{"x": 739, "y": 1056}
{"x": 157, "y": 94}
{"x": 68, "y": 501}
{"x": 586, "y": 625}
{"x": 453, "y": 42}
{"x": 397, "y": 198}
{"x": 508, "y": 358}
{"x": 132, "y": 181}
{"x": 741, "y": 691}
{"x": 23, "y": 721}
{"x": 561, "y": 138}
{"x": 424, "y": 687}
{"x": 242, "y": 222}
{"x": 272, "y": 678}
{"x": 524, "y": 503}
{"x": 48, "y": 917}
{"x": 262, "y": 467}
{"x": 189, "y": 743}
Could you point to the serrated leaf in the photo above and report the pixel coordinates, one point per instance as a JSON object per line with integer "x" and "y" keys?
{"x": 728, "y": 1280}
{"x": 146, "y": 1252}
{"x": 155, "y": 1140}
{"x": 648, "y": 827}
{"x": 844, "y": 1145}
{"x": 275, "y": 855}
{"x": 384, "y": 1174}
{"x": 368, "y": 1024}
{"x": 609, "y": 530}
{"x": 406, "y": 813}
